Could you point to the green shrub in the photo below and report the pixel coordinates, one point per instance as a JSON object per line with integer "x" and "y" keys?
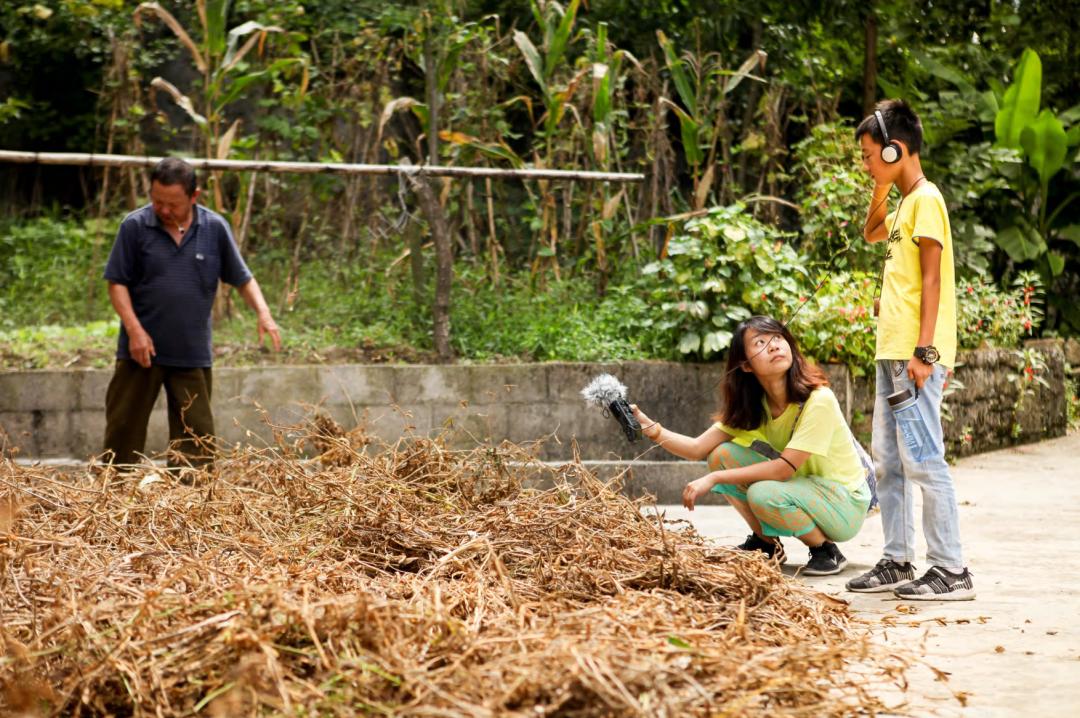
{"x": 1072, "y": 399}
{"x": 991, "y": 316}
{"x": 719, "y": 270}
{"x": 832, "y": 192}
{"x": 837, "y": 324}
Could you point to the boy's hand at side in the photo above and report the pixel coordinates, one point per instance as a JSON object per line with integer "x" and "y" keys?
{"x": 919, "y": 371}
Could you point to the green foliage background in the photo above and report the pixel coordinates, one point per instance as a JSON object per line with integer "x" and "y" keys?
{"x": 753, "y": 199}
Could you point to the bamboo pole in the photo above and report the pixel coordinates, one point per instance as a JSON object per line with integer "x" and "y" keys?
{"x": 107, "y": 160}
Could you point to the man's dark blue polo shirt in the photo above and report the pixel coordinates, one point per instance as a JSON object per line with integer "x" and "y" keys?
{"x": 172, "y": 287}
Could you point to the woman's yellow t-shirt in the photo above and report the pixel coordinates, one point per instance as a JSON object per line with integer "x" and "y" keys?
{"x": 822, "y": 432}
{"x": 922, "y": 216}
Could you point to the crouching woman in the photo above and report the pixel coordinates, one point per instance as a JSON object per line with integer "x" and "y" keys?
{"x": 780, "y": 451}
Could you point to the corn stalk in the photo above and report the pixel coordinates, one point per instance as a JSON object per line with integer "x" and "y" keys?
{"x": 544, "y": 66}
{"x": 702, "y": 85}
{"x": 219, "y": 56}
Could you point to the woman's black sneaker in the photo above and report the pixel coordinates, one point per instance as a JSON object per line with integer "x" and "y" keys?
{"x": 773, "y": 549}
{"x": 939, "y": 584}
{"x": 825, "y": 560}
{"x": 885, "y": 576}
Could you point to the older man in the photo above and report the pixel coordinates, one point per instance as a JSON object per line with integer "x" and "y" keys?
{"x": 163, "y": 275}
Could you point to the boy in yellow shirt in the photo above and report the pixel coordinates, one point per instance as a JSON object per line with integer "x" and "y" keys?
{"x": 916, "y": 348}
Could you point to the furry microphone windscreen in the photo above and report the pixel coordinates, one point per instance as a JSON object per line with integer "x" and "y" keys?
{"x": 603, "y": 390}
{"x": 608, "y": 393}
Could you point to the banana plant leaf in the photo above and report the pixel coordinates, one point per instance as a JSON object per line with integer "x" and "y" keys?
{"x": 1045, "y": 144}
{"x": 1020, "y": 105}
{"x": 1021, "y": 242}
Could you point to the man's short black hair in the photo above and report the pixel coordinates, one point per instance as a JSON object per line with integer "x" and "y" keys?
{"x": 173, "y": 171}
{"x": 900, "y": 121}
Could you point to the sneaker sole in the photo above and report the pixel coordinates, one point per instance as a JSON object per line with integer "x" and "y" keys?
{"x": 879, "y": 589}
{"x": 967, "y": 594}
{"x": 816, "y": 572}
{"x": 779, "y": 558}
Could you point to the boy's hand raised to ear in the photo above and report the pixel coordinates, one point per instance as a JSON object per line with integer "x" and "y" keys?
{"x": 874, "y": 227}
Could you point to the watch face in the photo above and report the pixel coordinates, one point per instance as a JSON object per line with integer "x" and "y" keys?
{"x": 928, "y": 354}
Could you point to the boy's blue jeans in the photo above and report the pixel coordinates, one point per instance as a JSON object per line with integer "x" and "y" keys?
{"x": 900, "y": 470}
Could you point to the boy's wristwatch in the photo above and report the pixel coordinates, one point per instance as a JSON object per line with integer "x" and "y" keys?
{"x": 927, "y": 354}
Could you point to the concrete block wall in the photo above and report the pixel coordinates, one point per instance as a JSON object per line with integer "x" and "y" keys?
{"x": 60, "y": 413}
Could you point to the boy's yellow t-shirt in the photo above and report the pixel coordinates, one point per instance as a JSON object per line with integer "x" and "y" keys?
{"x": 821, "y": 431}
{"x": 922, "y": 217}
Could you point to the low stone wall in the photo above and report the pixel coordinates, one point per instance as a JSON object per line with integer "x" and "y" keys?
{"x": 61, "y": 413}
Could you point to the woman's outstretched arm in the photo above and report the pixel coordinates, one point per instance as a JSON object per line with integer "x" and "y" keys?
{"x": 687, "y": 447}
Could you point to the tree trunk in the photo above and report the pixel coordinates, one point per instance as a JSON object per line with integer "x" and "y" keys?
{"x": 415, "y": 240}
{"x": 870, "y": 62}
{"x": 444, "y": 264}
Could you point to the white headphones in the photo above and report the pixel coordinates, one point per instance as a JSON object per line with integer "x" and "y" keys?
{"x": 891, "y": 152}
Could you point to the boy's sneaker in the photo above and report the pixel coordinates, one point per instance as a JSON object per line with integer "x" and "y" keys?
{"x": 939, "y": 584}
{"x": 825, "y": 560}
{"x": 772, "y": 549}
{"x": 885, "y": 576}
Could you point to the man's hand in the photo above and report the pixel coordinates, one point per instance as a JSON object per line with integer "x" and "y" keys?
{"x": 267, "y": 325}
{"x": 695, "y": 490}
{"x": 919, "y": 371}
{"x": 253, "y": 297}
{"x": 141, "y": 347}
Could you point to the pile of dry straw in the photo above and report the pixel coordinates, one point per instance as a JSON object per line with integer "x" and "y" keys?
{"x": 412, "y": 580}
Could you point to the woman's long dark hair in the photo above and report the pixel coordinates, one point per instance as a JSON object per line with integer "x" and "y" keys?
{"x": 741, "y": 394}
